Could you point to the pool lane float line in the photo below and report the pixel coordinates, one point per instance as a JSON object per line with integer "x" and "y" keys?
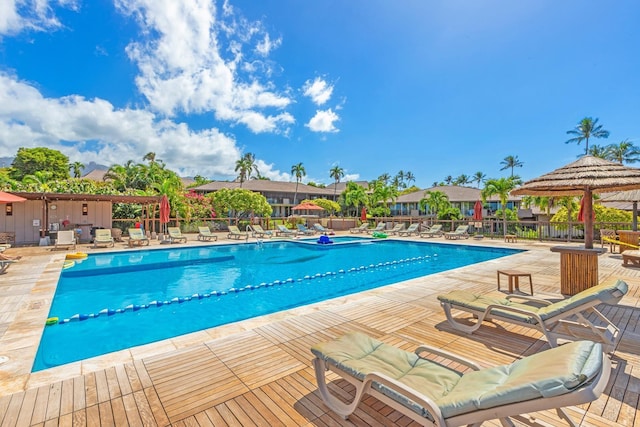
{"x": 179, "y": 300}
{"x": 77, "y": 255}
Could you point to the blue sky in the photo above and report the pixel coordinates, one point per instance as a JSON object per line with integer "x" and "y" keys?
{"x": 433, "y": 87}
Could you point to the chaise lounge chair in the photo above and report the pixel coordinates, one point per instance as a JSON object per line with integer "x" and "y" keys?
{"x": 434, "y": 231}
{"x": 4, "y": 265}
{"x": 175, "y": 235}
{"x": 322, "y": 229}
{"x": 358, "y": 230}
{"x": 396, "y": 229}
{"x": 302, "y": 229}
{"x": 235, "y": 233}
{"x": 460, "y": 232}
{"x": 284, "y": 231}
{"x": 137, "y": 237}
{"x": 565, "y": 319}
{"x": 67, "y": 239}
{"x": 437, "y": 393}
{"x": 205, "y": 235}
{"x": 258, "y": 231}
{"x": 103, "y": 237}
{"x": 412, "y": 229}
{"x": 378, "y": 228}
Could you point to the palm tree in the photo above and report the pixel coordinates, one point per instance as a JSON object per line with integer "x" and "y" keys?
{"x": 462, "y": 180}
{"x": 245, "y": 166}
{"x": 500, "y": 187}
{"x": 385, "y": 177}
{"x": 298, "y": 171}
{"x": 409, "y": 177}
{"x": 151, "y": 156}
{"x": 336, "y": 173}
{"x": 597, "y": 151}
{"x": 76, "y": 167}
{"x": 448, "y": 179}
{"x": 479, "y": 178}
{"x": 623, "y": 152}
{"x": 355, "y": 195}
{"x": 435, "y": 201}
{"x": 587, "y": 128}
{"x": 511, "y": 162}
{"x": 399, "y": 179}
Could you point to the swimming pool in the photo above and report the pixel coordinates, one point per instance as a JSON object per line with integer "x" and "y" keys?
{"x": 118, "y": 300}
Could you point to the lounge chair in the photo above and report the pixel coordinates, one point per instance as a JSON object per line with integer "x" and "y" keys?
{"x": 412, "y": 229}
{"x": 302, "y": 229}
{"x": 378, "y": 228}
{"x": 460, "y": 232}
{"x": 176, "y": 236}
{"x": 322, "y": 229}
{"x": 137, "y": 237}
{"x": 4, "y": 265}
{"x": 66, "y": 238}
{"x": 258, "y": 231}
{"x": 396, "y": 229}
{"x": 281, "y": 230}
{"x": 434, "y": 231}
{"x": 609, "y": 237}
{"x": 103, "y": 237}
{"x": 235, "y": 233}
{"x": 450, "y": 390}
{"x": 565, "y": 319}
{"x": 204, "y": 234}
{"x": 359, "y": 230}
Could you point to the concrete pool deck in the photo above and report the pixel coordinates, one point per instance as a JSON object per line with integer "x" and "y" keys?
{"x": 406, "y": 312}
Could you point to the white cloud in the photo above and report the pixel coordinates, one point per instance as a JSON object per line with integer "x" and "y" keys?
{"x": 94, "y": 130}
{"x": 323, "y": 121}
{"x": 351, "y": 177}
{"x": 35, "y": 15}
{"x": 183, "y": 68}
{"x": 318, "y": 90}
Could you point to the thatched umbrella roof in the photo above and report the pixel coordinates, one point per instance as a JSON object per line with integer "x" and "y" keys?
{"x": 625, "y": 196}
{"x": 597, "y": 174}
{"x": 583, "y": 177}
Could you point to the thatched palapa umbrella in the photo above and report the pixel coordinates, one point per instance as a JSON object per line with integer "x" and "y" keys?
{"x": 625, "y": 196}
{"x": 583, "y": 177}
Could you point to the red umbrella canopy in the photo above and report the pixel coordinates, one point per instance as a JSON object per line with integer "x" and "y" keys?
{"x": 10, "y": 198}
{"x": 307, "y": 207}
{"x": 581, "y": 212}
{"x": 164, "y": 210}
{"x": 363, "y": 214}
{"x": 477, "y": 211}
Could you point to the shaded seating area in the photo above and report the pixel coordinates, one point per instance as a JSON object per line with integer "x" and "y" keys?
{"x": 235, "y": 233}
{"x": 205, "y": 235}
{"x": 282, "y": 231}
{"x": 412, "y": 229}
{"x": 434, "y": 231}
{"x": 66, "y": 239}
{"x": 461, "y": 232}
{"x": 176, "y": 236}
{"x": 103, "y": 237}
{"x": 137, "y": 237}
{"x": 447, "y": 389}
{"x": 571, "y": 318}
{"x": 258, "y": 231}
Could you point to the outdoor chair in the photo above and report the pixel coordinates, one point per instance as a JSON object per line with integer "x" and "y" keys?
{"x": 434, "y": 231}
{"x": 412, "y": 229}
{"x": 281, "y": 230}
{"x": 302, "y": 229}
{"x": 570, "y": 318}
{"x": 396, "y": 229}
{"x": 258, "y": 231}
{"x": 67, "y": 239}
{"x": 358, "y": 230}
{"x": 609, "y": 237}
{"x": 103, "y": 237}
{"x": 449, "y": 390}
{"x": 204, "y": 234}
{"x": 322, "y": 229}
{"x": 378, "y": 228}
{"x": 175, "y": 235}
{"x": 235, "y": 233}
{"x": 137, "y": 237}
{"x": 5, "y": 264}
{"x": 460, "y": 232}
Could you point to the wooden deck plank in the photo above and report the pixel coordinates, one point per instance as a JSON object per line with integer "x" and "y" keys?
{"x": 26, "y": 409}
{"x": 119, "y": 413}
{"x": 159, "y": 414}
{"x": 131, "y": 409}
{"x": 66, "y": 397}
{"x": 12, "y": 410}
{"x": 106, "y": 413}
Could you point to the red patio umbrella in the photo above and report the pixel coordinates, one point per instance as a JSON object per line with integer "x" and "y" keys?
{"x": 581, "y": 212}
{"x": 10, "y": 198}
{"x": 164, "y": 210}
{"x": 307, "y": 207}
{"x": 363, "y": 215}
{"x": 477, "y": 211}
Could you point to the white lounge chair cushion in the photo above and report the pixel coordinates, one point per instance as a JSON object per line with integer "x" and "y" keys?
{"x": 550, "y": 373}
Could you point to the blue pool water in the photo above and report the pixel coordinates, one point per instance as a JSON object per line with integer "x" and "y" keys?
{"x": 118, "y": 300}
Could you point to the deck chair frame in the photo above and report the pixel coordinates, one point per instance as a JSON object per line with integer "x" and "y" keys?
{"x": 560, "y": 326}
{"x": 359, "y": 230}
{"x": 283, "y": 231}
{"x": 235, "y": 233}
{"x": 175, "y": 235}
{"x": 505, "y": 413}
{"x": 434, "y": 231}
{"x": 5, "y": 264}
{"x": 205, "y": 234}
{"x": 412, "y": 229}
{"x": 103, "y": 237}
{"x": 259, "y": 232}
{"x": 380, "y": 227}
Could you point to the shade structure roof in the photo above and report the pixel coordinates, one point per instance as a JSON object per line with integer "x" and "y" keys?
{"x": 621, "y": 196}
{"x": 588, "y": 172}
{"x": 307, "y": 207}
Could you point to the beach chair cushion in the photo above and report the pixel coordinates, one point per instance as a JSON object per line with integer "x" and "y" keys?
{"x": 605, "y": 293}
{"x": 547, "y": 374}
{"x": 478, "y": 302}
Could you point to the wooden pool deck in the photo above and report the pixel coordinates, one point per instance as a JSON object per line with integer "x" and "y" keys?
{"x": 258, "y": 372}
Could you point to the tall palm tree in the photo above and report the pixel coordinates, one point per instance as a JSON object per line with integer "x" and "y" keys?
{"x": 245, "y": 166}
{"x": 151, "y": 156}
{"x": 479, "y": 178}
{"x": 298, "y": 171}
{"x": 355, "y": 195}
{"x": 511, "y": 162}
{"x": 435, "y": 201}
{"x": 585, "y": 129}
{"x": 625, "y": 152}
{"x": 598, "y": 151}
{"x": 462, "y": 180}
{"x": 385, "y": 177}
{"x": 448, "y": 179}
{"x": 337, "y": 173}
{"x": 500, "y": 187}
{"x": 399, "y": 179}
{"x": 409, "y": 177}
{"x": 76, "y": 167}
